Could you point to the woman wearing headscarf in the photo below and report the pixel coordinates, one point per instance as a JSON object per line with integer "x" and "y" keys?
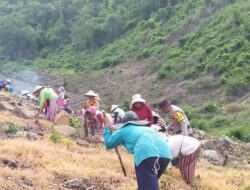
{"x": 151, "y": 152}
{"x": 94, "y": 120}
{"x": 141, "y": 108}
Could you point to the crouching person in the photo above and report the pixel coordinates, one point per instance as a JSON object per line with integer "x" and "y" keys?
{"x": 185, "y": 151}
{"x": 151, "y": 152}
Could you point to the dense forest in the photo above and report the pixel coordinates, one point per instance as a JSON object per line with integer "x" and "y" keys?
{"x": 180, "y": 39}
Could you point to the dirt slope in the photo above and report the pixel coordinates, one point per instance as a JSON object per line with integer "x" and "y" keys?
{"x": 118, "y": 84}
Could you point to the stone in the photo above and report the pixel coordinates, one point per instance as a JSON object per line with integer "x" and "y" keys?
{"x": 247, "y": 146}
{"x": 207, "y": 145}
{"x": 44, "y": 124}
{"x": 4, "y": 97}
{"x": 83, "y": 143}
{"x": 65, "y": 130}
{"x": 198, "y": 134}
{"x": 22, "y": 112}
{"x": 5, "y": 106}
{"x": 62, "y": 118}
{"x": 33, "y": 136}
{"x": 96, "y": 139}
{"x": 79, "y": 184}
{"x": 227, "y": 142}
{"x": 10, "y": 163}
{"x": 21, "y": 134}
{"x": 213, "y": 156}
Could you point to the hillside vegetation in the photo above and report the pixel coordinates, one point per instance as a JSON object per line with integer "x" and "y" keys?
{"x": 202, "y": 45}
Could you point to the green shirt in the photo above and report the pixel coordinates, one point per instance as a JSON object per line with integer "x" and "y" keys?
{"x": 46, "y": 94}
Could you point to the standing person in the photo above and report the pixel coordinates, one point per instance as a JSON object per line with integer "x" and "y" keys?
{"x": 118, "y": 113}
{"x": 60, "y": 93}
{"x": 66, "y": 104}
{"x": 179, "y": 123}
{"x": 151, "y": 152}
{"x": 7, "y": 86}
{"x": 91, "y": 95}
{"x": 92, "y": 100}
{"x": 141, "y": 108}
{"x": 49, "y": 96}
{"x": 1, "y": 84}
{"x": 186, "y": 149}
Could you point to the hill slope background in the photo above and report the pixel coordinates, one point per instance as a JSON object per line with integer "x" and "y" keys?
{"x": 195, "y": 52}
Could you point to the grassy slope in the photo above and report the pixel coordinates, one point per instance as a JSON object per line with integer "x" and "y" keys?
{"x": 51, "y": 164}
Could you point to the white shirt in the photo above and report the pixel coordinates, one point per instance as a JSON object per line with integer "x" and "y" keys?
{"x": 121, "y": 113}
{"x": 189, "y": 145}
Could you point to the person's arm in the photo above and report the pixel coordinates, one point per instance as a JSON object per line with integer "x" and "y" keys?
{"x": 112, "y": 140}
{"x": 183, "y": 124}
{"x": 150, "y": 115}
{"x": 41, "y": 99}
{"x": 162, "y": 123}
{"x": 100, "y": 119}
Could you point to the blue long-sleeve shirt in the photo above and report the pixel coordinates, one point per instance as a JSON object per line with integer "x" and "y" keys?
{"x": 141, "y": 141}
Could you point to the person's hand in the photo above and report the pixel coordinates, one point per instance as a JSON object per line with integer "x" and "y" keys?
{"x": 106, "y": 120}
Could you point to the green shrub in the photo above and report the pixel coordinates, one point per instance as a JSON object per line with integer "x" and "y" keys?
{"x": 11, "y": 128}
{"x": 76, "y": 122}
{"x": 58, "y": 138}
{"x": 162, "y": 75}
{"x": 200, "y": 124}
{"x": 240, "y": 134}
{"x": 126, "y": 105}
{"x": 210, "y": 108}
{"x": 217, "y": 123}
{"x": 144, "y": 54}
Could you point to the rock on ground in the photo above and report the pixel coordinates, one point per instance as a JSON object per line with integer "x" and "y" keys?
{"x": 65, "y": 130}
{"x": 96, "y": 139}
{"x": 44, "y": 124}
{"x": 247, "y": 146}
{"x": 33, "y": 136}
{"x": 79, "y": 184}
{"x": 22, "y": 112}
{"x": 62, "y": 118}
{"x": 213, "y": 156}
{"x": 207, "y": 145}
{"x": 4, "y": 97}
{"x": 5, "y": 106}
{"x": 82, "y": 143}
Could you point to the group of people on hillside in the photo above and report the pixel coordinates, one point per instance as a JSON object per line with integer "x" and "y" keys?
{"x": 6, "y": 85}
{"x": 140, "y": 130}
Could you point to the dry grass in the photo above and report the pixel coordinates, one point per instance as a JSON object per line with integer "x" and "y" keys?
{"x": 50, "y": 164}
{"x": 6, "y": 116}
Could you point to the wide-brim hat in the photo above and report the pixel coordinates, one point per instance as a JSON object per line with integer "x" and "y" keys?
{"x": 25, "y": 92}
{"x": 91, "y": 93}
{"x": 138, "y": 99}
{"x": 136, "y": 123}
{"x": 113, "y": 107}
{"x": 37, "y": 88}
{"x": 8, "y": 81}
